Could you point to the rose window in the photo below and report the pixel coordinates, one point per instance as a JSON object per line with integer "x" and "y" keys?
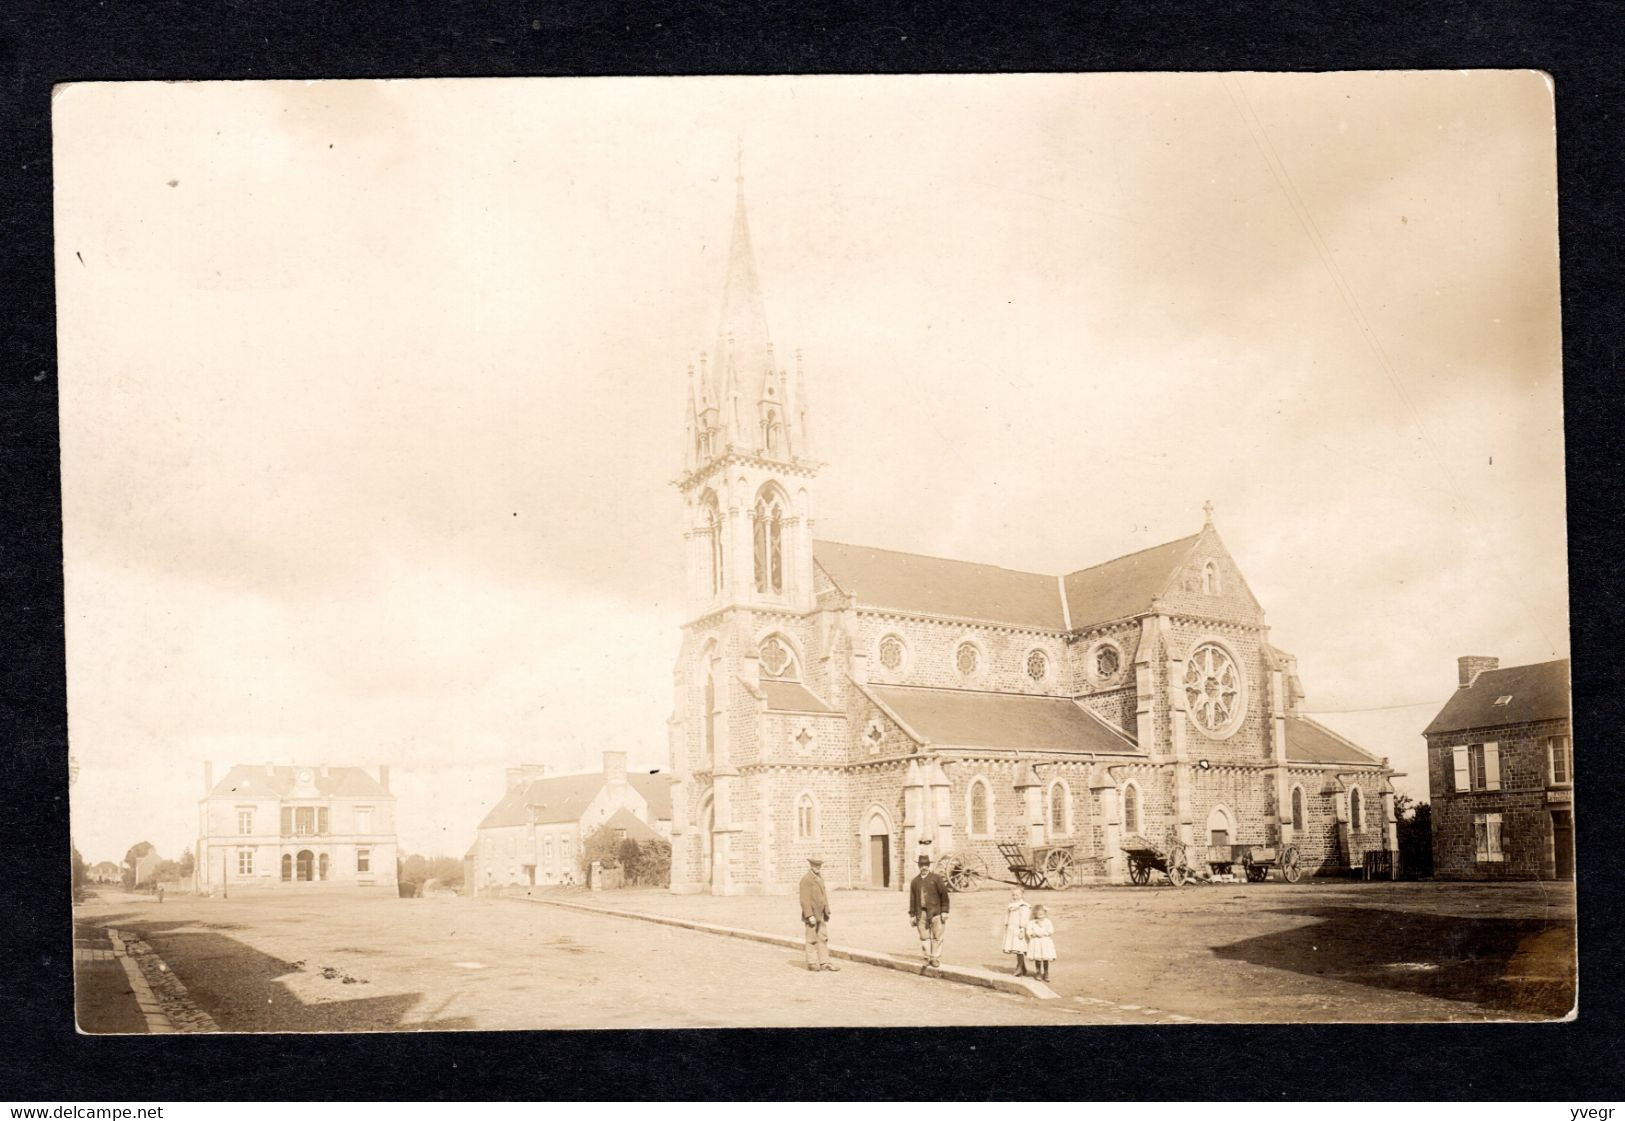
{"x": 1213, "y": 689}
{"x": 1106, "y": 661}
{"x": 891, "y": 652}
{"x": 776, "y": 657}
{"x": 1037, "y": 665}
{"x": 967, "y": 658}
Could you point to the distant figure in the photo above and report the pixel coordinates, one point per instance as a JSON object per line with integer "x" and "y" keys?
{"x": 160, "y": 893}
{"x": 815, "y": 917}
{"x": 1016, "y": 917}
{"x": 928, "y": 910}
{"x": 1040, "y": 941}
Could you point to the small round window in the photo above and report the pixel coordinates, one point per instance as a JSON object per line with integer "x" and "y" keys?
{"x": 1037, "y": 665}
{"x": 967, "y": 658}
{"x": 1107, "y": 661}
{"x": 891, "y": 652}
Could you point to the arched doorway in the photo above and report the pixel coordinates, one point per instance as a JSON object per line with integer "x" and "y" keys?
{"x": 287, "y": 866}
{"x": 877, "y": 857}
{"x": 305, "y": 865}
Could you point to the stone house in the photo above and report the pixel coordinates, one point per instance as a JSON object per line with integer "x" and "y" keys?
{"x": 296, "y": 828}
{"x": 1501, "y": 774}
{"x": 535, "y": 833}
{"x": 868, "y": 705}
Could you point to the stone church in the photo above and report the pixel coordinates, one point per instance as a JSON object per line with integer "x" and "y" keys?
{"x": 869, "y": 705}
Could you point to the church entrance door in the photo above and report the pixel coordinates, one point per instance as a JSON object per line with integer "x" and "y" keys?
{"x": 880, "y": 861}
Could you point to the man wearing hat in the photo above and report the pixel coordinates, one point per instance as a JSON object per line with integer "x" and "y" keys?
{"x": 815, "y": 916}
{"x": 928, "y": 910}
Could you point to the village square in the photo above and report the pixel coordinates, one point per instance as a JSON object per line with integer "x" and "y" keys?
{"x": 883, "y": 774}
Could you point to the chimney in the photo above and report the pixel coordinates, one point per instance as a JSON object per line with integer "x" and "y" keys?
{"x": 615, "y": 767}
{"x": 208, "y": 776}
{"x": 383, "y": 776}
{"x": 1469, "y": 667}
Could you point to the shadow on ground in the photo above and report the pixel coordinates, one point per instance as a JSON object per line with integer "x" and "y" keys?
{"x": 243, "y": 988}
{"x": 1521, "y": 967}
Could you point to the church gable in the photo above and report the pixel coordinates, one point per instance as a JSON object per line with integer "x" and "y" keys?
{"x": 1208, "y": 582}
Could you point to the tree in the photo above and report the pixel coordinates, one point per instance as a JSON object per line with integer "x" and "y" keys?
{"x": 186, "y": 864}
{"x": 132, "y": 861}
{"x": 78, "y": 865}
{"x": 1415, "y": 821}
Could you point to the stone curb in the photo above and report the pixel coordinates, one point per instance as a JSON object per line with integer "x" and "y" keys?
{"x": 963, "y": 974}
{"x": 151, "y": 1010}
{"x": 168, "y": 1011}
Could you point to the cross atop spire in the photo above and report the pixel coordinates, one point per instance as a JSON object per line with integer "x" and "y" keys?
{"x": 1207, "y": 511}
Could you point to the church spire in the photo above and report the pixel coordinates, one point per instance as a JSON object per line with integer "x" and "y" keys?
{"x": 744, "y": 352}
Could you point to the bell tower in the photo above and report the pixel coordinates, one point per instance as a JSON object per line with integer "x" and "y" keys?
{"x": 748, "y": 464}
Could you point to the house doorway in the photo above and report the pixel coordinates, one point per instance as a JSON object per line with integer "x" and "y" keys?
{"x": 1563, "y": 843}
{"x": 877, "y": 852}
{"x": 305, "y": 865}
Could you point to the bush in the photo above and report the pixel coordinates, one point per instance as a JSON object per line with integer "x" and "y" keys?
{"x": 648, "y": 863}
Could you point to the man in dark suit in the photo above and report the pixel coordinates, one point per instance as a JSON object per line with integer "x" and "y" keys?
{"x": 928, "y": 910}
{"x": 815, "y": 917}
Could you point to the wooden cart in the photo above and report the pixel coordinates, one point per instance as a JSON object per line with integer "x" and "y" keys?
{"x": 964, "y": 871}
{"x": 1144, "y": 858}
{"x": 1254, "y": 862}
{"x": 1051, "y": 866}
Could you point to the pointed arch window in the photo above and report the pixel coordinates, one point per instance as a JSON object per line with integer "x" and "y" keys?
{"x": 1060, "y": 809}
{"x": 806, "y": 818}
{"x": 1211, "y": 585}
{"x": 769, "y": 543}
{"x": 713, "y": 527}
{"x": 980, "y": 810}
{"x": 1131, "y": 808}
{"x": 1297, "y": 807}
{"x": 1356, "y": 810}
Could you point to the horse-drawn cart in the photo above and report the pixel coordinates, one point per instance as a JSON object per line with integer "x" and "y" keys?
{"x": 1144, "y": 858}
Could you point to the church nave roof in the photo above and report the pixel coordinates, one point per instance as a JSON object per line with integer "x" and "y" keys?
{"x": 1004, "y": 721}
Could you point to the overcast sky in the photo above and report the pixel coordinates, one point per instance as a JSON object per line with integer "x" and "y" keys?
{"x": 372, "y": 391}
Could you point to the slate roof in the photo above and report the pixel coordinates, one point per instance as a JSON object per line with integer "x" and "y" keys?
{"x": 791, "y": 696}
{"x": 565, "y": 798}
{"x": 938, "y": 586}
{"x": 1117, "y": 589}
{"x": 247, "y": 781}
{"x": 1539, "y": 692}
{"x": 1123, "y": 587}
{"x": 1009, "y": 721}
{"x": 635, "y": 827}
{"x": 1309, "y": 742}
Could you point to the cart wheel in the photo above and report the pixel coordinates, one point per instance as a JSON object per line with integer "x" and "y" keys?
{"x": 964, "y": 872}
{"x": 1256, "y": 873}
{"x": 1179, "y": 873}
{"x": 1030, "y": 878}
{"x": 1060, "y": 872}
{"x": 1291, "y": 864}
{"x": 1138, "y": 873}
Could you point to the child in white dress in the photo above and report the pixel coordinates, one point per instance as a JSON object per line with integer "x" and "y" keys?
{"x": 1016, "y": 918}
{"x": 1041, "y": 942}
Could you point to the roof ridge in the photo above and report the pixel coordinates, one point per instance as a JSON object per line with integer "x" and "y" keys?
{"x": 928, "y": 556}
{"x": 1338, "y": 736}
{"x": 1135, "y": 553}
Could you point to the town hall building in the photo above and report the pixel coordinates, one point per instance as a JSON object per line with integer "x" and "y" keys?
{"x": 869, "y": 705}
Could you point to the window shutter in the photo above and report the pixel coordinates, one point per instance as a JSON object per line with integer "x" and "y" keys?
{"x": 1463, "y": 781}
{"x": 1492, "y": 766}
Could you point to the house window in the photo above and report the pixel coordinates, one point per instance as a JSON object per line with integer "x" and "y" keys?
{"x": 363, "y": 860}
{"x": 245, "y": 822}
{"x": 1297, "y": 807}
{"x": 1487, "y": 837}
{"x": 1477, "y": 766}
{"x": 1560, "y": 757}
{"x": 1356, "y": 810}
{"x": 1060, "y": 809}
{"x": 1131, "y": 808}
{"x": 980, "y": 814}
{"x": 806, "y": 818}
{"x": 245, "y": 862}
{"x": 363, "y": 819}
{"x": 321, "y": 866}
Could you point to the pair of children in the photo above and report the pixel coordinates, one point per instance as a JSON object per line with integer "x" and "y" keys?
{"x": 1029, "y": 933}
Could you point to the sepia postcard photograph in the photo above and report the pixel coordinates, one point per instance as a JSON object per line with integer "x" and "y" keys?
{"x": 1049, "y": 549}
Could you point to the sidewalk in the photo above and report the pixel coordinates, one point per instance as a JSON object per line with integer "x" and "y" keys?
{"x": 109, "y": 996}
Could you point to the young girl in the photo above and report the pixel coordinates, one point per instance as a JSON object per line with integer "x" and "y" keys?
{"x": 1040, "y": 942}
{"x": 1016, "y": 918}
